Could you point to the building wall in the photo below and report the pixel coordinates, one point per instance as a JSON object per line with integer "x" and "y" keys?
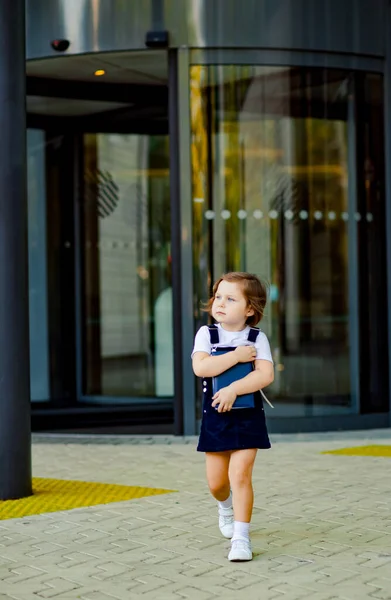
{"x": 354, "y": 26}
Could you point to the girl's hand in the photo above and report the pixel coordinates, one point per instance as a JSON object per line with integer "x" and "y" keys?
{"x": 245, "y": 353}
{"x": 224, "y": 398}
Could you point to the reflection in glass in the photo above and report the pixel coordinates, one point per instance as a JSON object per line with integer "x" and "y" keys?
{"x": 273, "y": 173}
{"x": 127, "y": 334}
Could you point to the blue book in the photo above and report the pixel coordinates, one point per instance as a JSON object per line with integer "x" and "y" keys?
{"x": 236, "y": 372}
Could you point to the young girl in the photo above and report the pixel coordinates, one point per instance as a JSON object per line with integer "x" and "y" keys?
{"x": 231, "y": 438}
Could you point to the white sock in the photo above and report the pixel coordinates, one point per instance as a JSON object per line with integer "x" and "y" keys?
{"x": 241, "y": 530}
{"x": 226, "y": 503}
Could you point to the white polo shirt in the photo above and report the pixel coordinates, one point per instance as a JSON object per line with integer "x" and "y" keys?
{"x": 232, "y": 338}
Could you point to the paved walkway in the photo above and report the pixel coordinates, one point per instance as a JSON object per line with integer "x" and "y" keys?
{"x": 321, "y": 526}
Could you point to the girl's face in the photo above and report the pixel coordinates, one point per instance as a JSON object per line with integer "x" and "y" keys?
{"x": 230, "y": 307}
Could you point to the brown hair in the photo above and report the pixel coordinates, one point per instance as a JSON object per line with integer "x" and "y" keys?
{"x": 253, "y": 290}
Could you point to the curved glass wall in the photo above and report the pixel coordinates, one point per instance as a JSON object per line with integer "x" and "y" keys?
{"x": 100, "y": 256}
{"x": 288, "y": 183}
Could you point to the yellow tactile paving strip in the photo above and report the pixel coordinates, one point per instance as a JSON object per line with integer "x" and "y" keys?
{"x": 378, "y": 451}
{"x": 52, "y": 495}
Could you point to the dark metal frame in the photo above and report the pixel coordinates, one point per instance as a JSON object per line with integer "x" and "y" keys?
{"x": 186, "y": 237}
{"x": 387, "y": 104}
{"x": 173, "y": 118}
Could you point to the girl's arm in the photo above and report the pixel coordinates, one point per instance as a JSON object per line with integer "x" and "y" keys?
{"x": 261, "y": 377}
{"x": 205, "y": 365}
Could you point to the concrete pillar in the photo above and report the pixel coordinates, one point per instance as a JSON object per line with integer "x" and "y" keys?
{"x": 15, "y": 432}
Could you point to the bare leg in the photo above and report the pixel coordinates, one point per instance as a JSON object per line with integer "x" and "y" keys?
{"x": 217, "y": 464}
{"x": 240, "y": 475}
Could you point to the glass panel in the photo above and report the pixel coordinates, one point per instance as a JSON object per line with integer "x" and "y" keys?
{"x": 37, "y": 249}
{"x": 50, "y": 190}
{"x": 271, "y": 195}
{"x": 127, "y": 299}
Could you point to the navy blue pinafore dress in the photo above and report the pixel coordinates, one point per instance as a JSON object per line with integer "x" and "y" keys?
{"x": 236, "y": 429}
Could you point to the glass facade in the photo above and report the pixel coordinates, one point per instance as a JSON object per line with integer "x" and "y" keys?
{"x": 281, "y": 190}
{"x": 174, "y": 166}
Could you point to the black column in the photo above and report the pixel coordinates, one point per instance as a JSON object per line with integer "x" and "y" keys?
{"x": 15, "y": 436}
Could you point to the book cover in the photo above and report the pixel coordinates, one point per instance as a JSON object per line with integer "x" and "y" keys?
{"x": 229, "y": 376}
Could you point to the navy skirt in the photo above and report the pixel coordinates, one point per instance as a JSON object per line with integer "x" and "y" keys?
{"x": 234, "y": 430}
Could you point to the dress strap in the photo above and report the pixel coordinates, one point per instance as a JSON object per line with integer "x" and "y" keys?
{"x": 214, "y": 334}
{"x": 253, "y": 334}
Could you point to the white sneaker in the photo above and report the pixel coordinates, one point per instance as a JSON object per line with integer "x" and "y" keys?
{"x": 240, "y": 550}
{"x": 226, "y": 522}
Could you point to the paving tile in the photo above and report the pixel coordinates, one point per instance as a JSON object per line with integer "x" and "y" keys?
{"x": 321, "y": 527}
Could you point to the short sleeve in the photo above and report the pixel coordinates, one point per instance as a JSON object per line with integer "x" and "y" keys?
{"x": 202, "y": 341}
{"x": 263, "y": 348}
